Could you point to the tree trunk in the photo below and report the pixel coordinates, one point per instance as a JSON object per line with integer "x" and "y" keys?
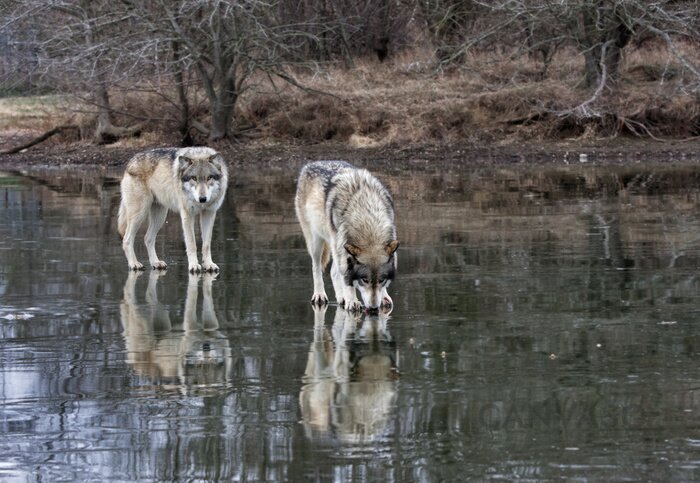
{"x": 104, "y": 120}
{"x": 221, "y": 113}
{"x": 183, "y": 126}
{"x": 345, "y": 44}
{"x": 106, "y": 132}
{"x": 602, "y": 48}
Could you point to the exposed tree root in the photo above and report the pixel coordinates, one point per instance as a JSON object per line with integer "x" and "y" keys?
{"x": 107, "y": 134}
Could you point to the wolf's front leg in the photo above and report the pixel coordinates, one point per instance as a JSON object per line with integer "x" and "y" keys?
{"x": 190, "y": 241}
{"x": 315, "y": 245}
{"x": 386, "y": 299}
{"x": 338, "y": 283}
{"x": 352, "y": 304}
{"x": 206, "y": 224}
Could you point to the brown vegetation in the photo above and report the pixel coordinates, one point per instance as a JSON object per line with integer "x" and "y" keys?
{"x": 486, "y": 100}
{"x": 407, "y": 101}
{"x": 363, "y": 73}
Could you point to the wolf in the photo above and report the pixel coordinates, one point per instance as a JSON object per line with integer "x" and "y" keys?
{"x": 191, "y": 181}
{"x": 347, "y": 215}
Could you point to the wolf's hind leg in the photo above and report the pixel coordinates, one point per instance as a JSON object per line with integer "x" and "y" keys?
{"x": 156, "y": 218}
{"x": 135, "y": 215}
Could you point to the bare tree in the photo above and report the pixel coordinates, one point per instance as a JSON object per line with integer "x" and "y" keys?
{"x": 79, "y": 47}
{"x": 599, "y": 29}
{"x": 94, "y": 46}
{"x": 344, "y": 30}
{"x": 452, "y": 25}
{"x": 226, "y": 43}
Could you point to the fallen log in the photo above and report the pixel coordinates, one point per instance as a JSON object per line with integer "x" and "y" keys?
{"x": 39, "y": 139}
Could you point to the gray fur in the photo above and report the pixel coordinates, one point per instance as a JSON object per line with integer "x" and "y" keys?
{"x": 347, "y": 213}
{"x": 190, "y": 181}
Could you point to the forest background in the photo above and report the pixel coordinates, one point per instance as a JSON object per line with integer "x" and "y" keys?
{"x": 362, "y": 73}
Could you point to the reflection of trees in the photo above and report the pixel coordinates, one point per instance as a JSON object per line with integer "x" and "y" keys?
{"x": 523, "y": 383}
{"x": 523, "y": 233}
{"x": 51, "y": 229}
{"x": 547, "y": 300}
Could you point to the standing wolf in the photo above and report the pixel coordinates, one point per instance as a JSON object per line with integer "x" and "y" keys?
{"x": 191, "y": 181}
{"x": 346, "y": 214}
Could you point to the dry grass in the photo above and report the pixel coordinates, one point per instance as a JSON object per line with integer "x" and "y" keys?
{"x": 407, "y": 101}
{"x": 491, "y": 98}
{"x": 21, "y": 118}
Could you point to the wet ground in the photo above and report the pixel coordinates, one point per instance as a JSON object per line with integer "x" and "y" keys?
{"x": 545, "y": 327}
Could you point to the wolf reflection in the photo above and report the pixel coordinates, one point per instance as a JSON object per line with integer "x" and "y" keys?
{"x": 350, "y": 377}
{"x": 189, "y": 356}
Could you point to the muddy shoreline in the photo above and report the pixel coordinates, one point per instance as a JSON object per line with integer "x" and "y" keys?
{"x": 429, "y": 157}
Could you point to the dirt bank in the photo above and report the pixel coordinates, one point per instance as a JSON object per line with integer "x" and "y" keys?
{"x": 386, "y": 158}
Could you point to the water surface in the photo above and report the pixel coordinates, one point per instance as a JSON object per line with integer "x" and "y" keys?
{"x": 546, "y": 326}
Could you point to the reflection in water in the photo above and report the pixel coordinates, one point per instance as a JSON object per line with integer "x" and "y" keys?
{"x": 350, "y": 378}
{"x": 547, "y": 322}
{"x": 191, "y": 356}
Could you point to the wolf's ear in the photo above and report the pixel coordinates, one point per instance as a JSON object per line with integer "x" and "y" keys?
{"x": 353, "y": 250}
{"x": 391, "y": 247}
{"x": 183, "y": 162}
{"x": 218, "y": 161}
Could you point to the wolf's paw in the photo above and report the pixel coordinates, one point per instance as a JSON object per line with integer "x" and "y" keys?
{"x": 209, "y": 276}
{"x": 319, "y": 299}
{"x": 136, "y": 266}
{"x": 210, "y": 267}
{"x": 354, "y": 306}
{"x": 159, "y": 265}
{"x": 195, "y": 268}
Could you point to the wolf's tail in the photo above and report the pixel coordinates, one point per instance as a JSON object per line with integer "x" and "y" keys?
{"x": 121, "y": 218}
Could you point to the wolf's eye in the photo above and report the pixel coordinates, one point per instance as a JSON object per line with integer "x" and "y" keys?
{"x": 193, "y": 178}
{"x": 364, "y": 280}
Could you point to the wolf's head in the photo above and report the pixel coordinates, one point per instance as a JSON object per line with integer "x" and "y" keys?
{"x": 371, "y": 270}
{"x": 202, "y": 173}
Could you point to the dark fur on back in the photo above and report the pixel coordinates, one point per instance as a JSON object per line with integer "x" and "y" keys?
{"x": 142, "y": 165}
{"x": 325, "y": 171}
